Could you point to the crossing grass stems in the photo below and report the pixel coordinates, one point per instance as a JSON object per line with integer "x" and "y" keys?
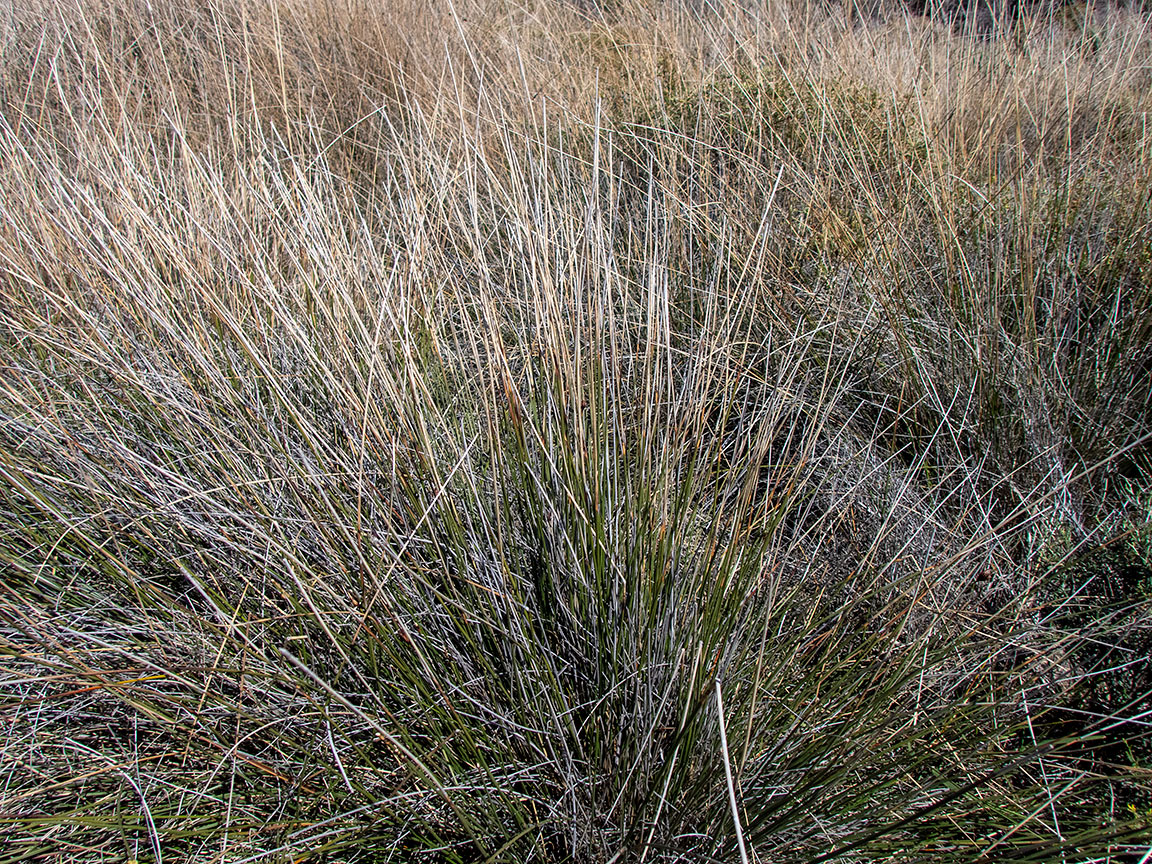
{"x": 558, "y": 432}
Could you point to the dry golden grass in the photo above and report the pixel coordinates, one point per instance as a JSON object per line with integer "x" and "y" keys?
{"x": 416, "y": 420}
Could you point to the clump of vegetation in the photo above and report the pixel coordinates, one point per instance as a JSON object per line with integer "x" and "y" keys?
{"x": 415, "y": 446}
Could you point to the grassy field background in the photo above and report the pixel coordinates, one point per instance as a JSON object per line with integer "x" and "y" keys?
{"x": 660, "y": 431}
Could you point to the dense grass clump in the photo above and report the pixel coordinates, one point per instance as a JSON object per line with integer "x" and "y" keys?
{"x": 558, "y": 433}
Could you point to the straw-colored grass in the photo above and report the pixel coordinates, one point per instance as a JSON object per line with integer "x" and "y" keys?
{"x": 545, "y": 432}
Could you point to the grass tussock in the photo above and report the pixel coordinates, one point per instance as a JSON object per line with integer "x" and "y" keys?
{"x": 549, "y": 432}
